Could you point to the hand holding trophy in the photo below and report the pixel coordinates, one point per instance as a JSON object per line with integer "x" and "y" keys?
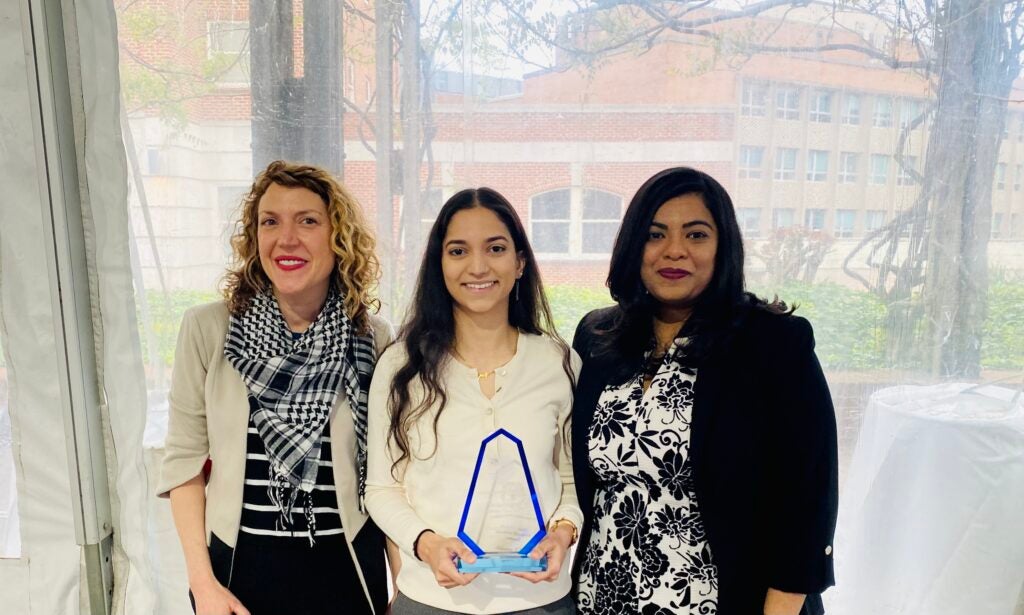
{"x": 501, "y": 520}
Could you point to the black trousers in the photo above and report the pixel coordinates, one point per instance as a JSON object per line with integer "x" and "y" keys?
{"x": 281, "y": 576}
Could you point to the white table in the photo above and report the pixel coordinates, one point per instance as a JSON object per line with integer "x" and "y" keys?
{"x": 932, "y": 512}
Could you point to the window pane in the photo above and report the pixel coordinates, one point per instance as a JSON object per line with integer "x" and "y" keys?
{"x": 550, "y": 237}
{"x": 851, "y": 110}
{"x": 750, "y": 221}
{"x": 599, "y": 205}
{"x": 599, "y": 237}
{"x": 814, "y": 219}
{"x": 551, "y": 206}
{"x": 782, "y": 217}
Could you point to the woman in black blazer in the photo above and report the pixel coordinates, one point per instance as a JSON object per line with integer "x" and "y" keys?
{"x": 704, "y": 438}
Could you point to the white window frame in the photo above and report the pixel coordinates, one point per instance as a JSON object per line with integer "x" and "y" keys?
{"x": 851, "y": 112}
{"x": 750, "y": 225}
{"x": 817, "y": 112}
{"x": 754, "y": 99}
{"x": 879, "y": 119}
{"x": 747, "y": 170}
{"x": 575, "y": 222}
{"x": 213, "y": 49}
{"x": 841, "y": 214}
{"x": 873, "y": 175}
{"x": 784, "y": 173}
{"x": 583, "y": 220}
{"x": 783, "y": 97}
{"x": 775, "y": 217}
{"x": 812, "y": 212}
{"x": 848, "y": 172}
{"x": 814, "y": 158}
{"x": 869, "y": 219}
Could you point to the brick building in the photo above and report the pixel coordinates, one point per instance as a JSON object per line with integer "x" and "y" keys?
{"x": 803, "y": 140}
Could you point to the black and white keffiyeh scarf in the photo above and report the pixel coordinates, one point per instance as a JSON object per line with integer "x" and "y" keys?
{"x": 295, "y": 381}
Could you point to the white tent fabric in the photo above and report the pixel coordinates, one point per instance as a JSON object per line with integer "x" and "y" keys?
{"x": 48, "y": 569}
{"x": 48, "y": 578}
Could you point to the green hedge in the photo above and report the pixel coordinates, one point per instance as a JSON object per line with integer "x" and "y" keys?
{"x": 1002, "y": 346}
{"x": 849, "y": 324}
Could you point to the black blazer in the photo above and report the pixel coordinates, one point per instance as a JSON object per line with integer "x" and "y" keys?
{"x": 763, "y": 449}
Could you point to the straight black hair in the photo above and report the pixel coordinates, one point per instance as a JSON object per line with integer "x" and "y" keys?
{"x": 718, "y": 306}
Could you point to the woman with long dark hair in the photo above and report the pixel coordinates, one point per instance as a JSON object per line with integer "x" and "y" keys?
{"x": 477, "y": 353}
{"x": 703, "y": 437}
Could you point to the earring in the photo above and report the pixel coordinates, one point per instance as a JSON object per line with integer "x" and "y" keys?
{"x": 517, "y": 289}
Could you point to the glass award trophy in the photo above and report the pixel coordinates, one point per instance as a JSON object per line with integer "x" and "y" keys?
{"x": 501, "y": 521}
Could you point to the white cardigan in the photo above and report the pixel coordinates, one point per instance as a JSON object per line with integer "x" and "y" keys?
{"x": 533, "y": 401}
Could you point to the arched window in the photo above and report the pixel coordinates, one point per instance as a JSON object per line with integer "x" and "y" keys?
{"x": 574, "y": 222}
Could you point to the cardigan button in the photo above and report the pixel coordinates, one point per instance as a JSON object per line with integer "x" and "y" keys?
{"x": 828, "y": 550}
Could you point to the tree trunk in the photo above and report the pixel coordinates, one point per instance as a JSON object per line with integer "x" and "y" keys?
{"x": 385, "y": 143}
{"x": 411, "y": 75}
{"x": 323, "y": 80}
{"x": 272, "y": 90}
{"x": 977, "y": 72}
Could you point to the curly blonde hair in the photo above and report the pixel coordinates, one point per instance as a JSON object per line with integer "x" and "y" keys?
{"x": 357, "y": 270}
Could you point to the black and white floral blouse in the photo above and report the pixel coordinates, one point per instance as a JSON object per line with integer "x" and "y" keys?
{"x": 648, "y": 552}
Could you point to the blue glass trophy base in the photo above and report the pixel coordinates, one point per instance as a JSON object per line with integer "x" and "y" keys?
{"x": 503, "y": 562}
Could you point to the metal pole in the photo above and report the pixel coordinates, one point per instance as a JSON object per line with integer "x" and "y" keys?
{"x": 58, "y": 103}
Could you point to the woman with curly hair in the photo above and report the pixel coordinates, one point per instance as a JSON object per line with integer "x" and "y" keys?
{"x": 704, "y": 439}
{"x": 270, "y": 385}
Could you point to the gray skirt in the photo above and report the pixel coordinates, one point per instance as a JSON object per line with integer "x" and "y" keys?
{"x": 405, "y": 606}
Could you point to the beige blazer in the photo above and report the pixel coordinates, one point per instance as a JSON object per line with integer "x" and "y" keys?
{"x": 209, "y": 417}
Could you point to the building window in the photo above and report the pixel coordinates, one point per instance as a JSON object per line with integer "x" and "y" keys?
{"x": 574, "y": 222}
{"x": 1015, "y": 225}
{"x": 1020, "y": 129}
{"x": 817, "y": 165}
{"x": 429, "y": 208}
{"x": 785, "y": 164}
{"x": 814, "y": 219}
{"x": 750, "y": 221}
{"x": 879, "y": 168}
{"x": 997, "y": 226}
{"x": 227, "y": 51}
{"x": 550, "y": 221}
{"x": 1018, "y": 171}
{"x": 350, "y": 79}
{"x": 1001, "y": 176}
{"x": 851, "y": 109}
{"x": 602, "y": 212}
{"x": 821, "y": 107}
{"x": 787, "y": 104}
{"x": 782, "y": 217}
{"x": 367, "y": 90}
{"x": 882, "y": 117}
{"x": 905, "y": 176}
{"x": 909, "y": 112}
{"x": 751, "y": 161}
{"x": 755, "y": 99}
{"x": 844, "y": 222}
{"x": 848, "y": 163}
{"x": 874, "y": 219}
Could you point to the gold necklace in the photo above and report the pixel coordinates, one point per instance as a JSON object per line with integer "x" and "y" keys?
{"x": 484, "y": 375}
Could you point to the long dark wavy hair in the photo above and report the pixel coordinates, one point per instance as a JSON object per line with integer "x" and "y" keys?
{"x": 718, "y": 308}
{"x": 428, "y": 334}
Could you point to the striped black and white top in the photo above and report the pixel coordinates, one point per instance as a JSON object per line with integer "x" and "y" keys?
{"x": 260, "y": 516}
